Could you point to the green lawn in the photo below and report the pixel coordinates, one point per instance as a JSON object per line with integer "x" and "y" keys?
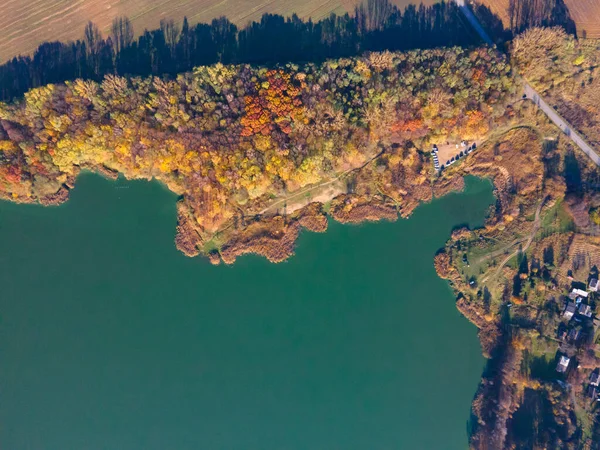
{"x": 556, "y": 220}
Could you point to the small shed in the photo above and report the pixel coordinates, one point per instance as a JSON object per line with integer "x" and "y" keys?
{"x": 593, "y": 286}
{"x": 563, "y": 364}
{"x": 595, "y": 378}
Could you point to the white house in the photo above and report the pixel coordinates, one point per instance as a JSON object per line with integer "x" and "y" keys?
{"x": 563, "y": 364}
{"x": 579, "y": 293}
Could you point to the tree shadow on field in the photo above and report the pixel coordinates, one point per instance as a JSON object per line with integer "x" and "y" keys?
{"x": 522, "y": 15}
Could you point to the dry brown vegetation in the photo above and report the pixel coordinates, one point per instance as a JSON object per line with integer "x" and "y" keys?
{"x": 513, "y": 162}
{"x": 583, "y": 253}
{"x": 274, "y": 237}
{"x": 24, "y": 24}
{"x": 356, "y": 209}
{"x": 566, "y": 72}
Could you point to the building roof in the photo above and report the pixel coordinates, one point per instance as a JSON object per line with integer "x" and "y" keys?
{"x": 585, "y": 310}
{"x": 574, "y": 334}
{"x": 595, "y": 377}
{"x": 570, "y": 309}
{"x": 579, "y": 292}
{"x": 563, "y": 364}
{"x": 593, "y": 283}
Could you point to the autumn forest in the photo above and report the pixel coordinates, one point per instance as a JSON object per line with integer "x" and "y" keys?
{"x": 233, "y": 137}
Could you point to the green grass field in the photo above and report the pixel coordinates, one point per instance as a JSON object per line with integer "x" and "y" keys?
{"x": 556, "y": 220}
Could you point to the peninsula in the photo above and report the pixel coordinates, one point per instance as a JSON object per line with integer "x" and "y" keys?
{"x": 259, "y": 152}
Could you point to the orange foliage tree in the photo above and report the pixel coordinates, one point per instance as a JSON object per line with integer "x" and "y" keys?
{"x": 276, "y": 104}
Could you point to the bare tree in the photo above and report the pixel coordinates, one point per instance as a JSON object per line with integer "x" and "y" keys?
{"x": 171, "y": 32}
{"x": 374, "y": 14}
{"x": 93, "y": 42}
{"x": 92, "y": 38}
{"x": 524, "y": 14}
{"x": 122, "y": 33}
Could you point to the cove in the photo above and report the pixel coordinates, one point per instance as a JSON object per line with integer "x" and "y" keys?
{"x": 112, "y": 339}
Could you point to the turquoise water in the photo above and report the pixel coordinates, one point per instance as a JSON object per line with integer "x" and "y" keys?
{"x": 112, "y": 339}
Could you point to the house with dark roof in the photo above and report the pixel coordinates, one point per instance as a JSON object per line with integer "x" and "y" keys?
{"x": 595, "y": 378}
{"x": 574, "y": 334}
{"x": 593, "y": 285}
{"x": 569, "y": 310}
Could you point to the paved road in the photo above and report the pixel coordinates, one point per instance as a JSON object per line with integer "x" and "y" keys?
{"x": 532, "y": 94}
{"x": 561, "y": 123}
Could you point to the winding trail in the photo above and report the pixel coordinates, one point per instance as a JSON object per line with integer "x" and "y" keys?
{"x": 500, "y": 251}
{"x": 536, "y": 226}
{"x": 312, "y": 188}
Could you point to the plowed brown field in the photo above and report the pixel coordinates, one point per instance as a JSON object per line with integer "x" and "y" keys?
{"x": 24, "y": 24}
{"x": 585, "y": 13}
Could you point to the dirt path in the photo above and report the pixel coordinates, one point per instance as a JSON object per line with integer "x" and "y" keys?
{"x": 310, "y": 189}
{"x": 499, "y": 252}
{"x": 536, "y": 226}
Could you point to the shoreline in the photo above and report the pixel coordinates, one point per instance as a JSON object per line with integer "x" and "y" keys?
{"x": 334, "y": 280}
{"x": 255, "y": 191}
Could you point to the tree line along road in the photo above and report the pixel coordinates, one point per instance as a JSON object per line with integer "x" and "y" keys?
{"x": 532, "y": 94}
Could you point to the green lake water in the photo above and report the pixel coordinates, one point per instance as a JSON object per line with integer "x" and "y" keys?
{"x": 112, "y": 339}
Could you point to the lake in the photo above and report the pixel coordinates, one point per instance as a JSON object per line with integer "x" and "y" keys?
{"x": 112, "y": 339}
